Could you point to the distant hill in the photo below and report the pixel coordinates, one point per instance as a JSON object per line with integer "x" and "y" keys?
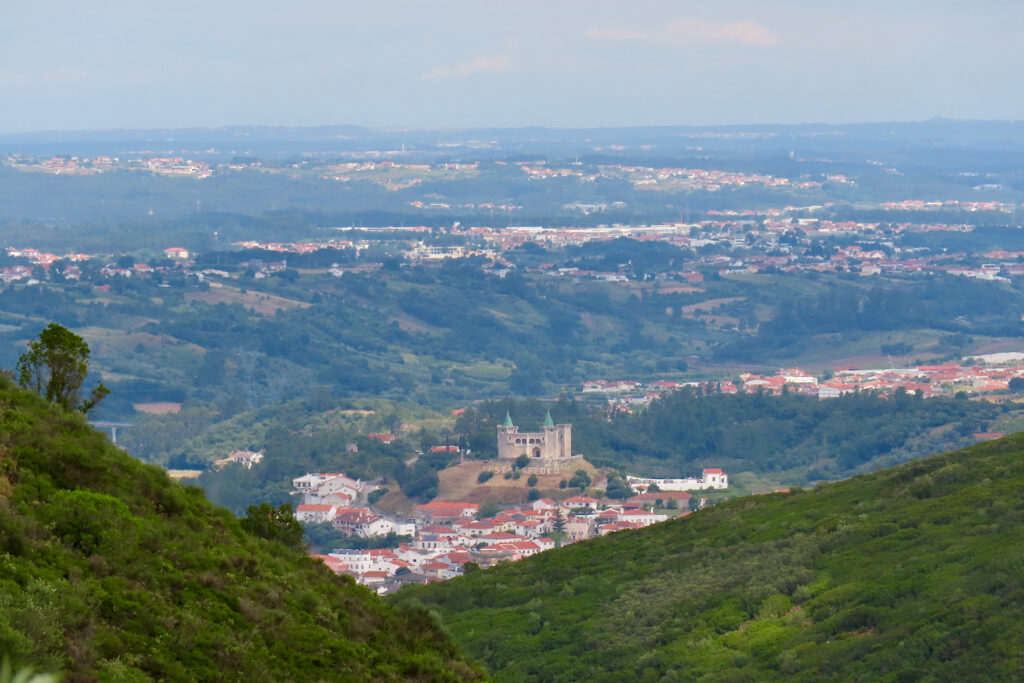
{"x": 912, "y": 573}
{"x": 792, "y": 438}
{"x": 108, "y": 570}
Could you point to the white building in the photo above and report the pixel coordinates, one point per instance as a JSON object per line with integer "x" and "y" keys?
{"x": 713, "y": 478}
{"x": 317, "y": 488}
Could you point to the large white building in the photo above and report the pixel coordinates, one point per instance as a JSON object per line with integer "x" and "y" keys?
{"x": 713, "y": 478}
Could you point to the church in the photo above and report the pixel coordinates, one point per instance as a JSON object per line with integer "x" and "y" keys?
{"x": 552, "y": 442}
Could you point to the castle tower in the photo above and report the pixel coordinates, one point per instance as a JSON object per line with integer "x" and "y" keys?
{"x": 507, "y": 436}
{"x": 557, "y": 439}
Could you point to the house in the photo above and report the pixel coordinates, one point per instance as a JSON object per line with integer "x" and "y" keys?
{"x": 531, "y": 528}
{"x": 318, "y": 487}
{"x": 315, "y": 514}
{"x": 442, "y": 511}
{"x": 715, "y": 478}
{"x": 580, "y": 527}
{"x": 580, "y": 502}
{"x": 473, "y": 527}
{"x": 641, "y": 517}
{"x": 350, "y": 521}
{"x": 499, "y": 537}
{"x": 247, "y": 458}
{"x": 176, "y": 253}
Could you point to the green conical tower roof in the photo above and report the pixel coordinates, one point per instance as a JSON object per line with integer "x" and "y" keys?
{"x": 508, "y": 420}
{"x": 548, "y": 422}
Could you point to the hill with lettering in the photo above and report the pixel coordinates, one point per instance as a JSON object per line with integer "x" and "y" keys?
{"x": 908, "y": 573}
{"x": 108, "y": 570}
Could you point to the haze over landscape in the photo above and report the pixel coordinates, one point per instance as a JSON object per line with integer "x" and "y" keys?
{"x": 406, "y": 341}
{"x": 463, "y": 64}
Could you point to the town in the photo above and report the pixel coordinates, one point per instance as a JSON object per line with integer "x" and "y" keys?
{"x": 993, "y": 376}
{"x": 444, "y": 536}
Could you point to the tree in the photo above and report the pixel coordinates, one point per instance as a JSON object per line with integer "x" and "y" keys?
{"x": 558, "y": 528}
{"x": 274, "y": 524}
{"x": 617, "y": 488}
{"x": 1017, "y": 385}
{"x": 55, "y": 366}
{"x": 521, "y": 462}
{"x": 488, "y": 509}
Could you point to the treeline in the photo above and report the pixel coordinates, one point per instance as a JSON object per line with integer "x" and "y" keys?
{"x": 947, "y": 303}
{"x": 793, "y": 436}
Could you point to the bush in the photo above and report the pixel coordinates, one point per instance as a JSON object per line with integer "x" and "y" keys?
{"x": 484, "y": 476}
{"x": 532, "y": 480}
{"x": 534, "y": 494}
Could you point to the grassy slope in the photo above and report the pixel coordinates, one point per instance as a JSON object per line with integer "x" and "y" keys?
{"x": 110, "y": 570}
{"x": 906, "y": 574}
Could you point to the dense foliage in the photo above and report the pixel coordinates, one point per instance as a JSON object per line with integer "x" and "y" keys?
{"x": 906, "y": 574}
{"x": 109, "y": 570}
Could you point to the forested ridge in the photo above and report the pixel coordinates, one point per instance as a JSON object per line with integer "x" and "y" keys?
{"x": 793, "y": 436}
{"x": 912, "y": 573}
{"x": 108, "y": 570}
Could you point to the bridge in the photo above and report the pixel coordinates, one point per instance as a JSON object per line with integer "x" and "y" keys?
{"x": 112, "y": 426}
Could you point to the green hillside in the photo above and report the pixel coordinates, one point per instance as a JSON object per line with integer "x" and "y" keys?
{"x": 913, "y": 573}
{"x": 108, "y": 570}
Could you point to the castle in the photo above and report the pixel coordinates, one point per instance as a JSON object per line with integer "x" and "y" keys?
{"x": 552, "y": 442}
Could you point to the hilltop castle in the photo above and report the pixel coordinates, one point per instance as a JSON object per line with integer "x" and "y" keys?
{"x": 552, "y": 442}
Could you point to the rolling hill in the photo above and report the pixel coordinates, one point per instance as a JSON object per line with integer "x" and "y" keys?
{"x": 912, "y": 573}
{"x": 108, "y": 570}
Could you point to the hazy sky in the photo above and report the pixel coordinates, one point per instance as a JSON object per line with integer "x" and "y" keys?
{"x": 66, "y": 64}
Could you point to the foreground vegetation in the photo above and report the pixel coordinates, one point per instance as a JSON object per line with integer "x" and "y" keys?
{"x": 906, "y": 574}
{"x": 108, "y": 570}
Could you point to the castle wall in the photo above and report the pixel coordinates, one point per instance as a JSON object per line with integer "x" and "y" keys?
{"x": 551, "y": 443}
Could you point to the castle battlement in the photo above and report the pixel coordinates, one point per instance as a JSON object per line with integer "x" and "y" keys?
{"x": 553, "y": 442}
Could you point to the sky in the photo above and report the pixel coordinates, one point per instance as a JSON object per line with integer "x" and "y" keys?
{"x": 70, "y": 65}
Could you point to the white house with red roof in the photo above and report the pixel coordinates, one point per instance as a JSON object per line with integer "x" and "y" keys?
{"x": 474, "y": 527}
{"x": 315, "y": 514}
{"x": 315, "y": 488}
{"x": 715, "y": 478}
{"x": 580, "y": 502}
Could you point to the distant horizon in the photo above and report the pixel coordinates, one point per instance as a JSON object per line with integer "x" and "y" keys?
{"x": 457, "y": 64}
{"x": 414, "y": 128}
